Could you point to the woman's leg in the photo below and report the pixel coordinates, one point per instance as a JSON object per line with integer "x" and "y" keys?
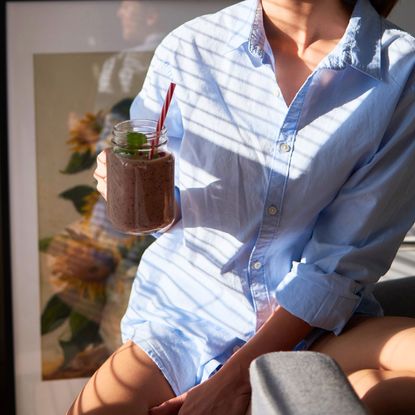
{"x": 385, "y": 392}
{"x": 378, "y": 355}
{"x": 129, "y": 382}
{"x": 372, "y": 343}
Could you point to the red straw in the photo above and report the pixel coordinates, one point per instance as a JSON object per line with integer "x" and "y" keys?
{"x": 160, "y": 123}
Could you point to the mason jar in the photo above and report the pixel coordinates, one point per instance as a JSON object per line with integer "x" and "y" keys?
{"x": 140, "y": 178}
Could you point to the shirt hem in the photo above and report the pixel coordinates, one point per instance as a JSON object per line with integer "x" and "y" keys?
{"x": 159, "y": 361}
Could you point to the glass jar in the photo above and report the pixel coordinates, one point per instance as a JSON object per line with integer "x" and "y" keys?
{"x": 140, "y": 178}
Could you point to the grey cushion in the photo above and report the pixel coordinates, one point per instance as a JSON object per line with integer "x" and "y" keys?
{"x": 301, "y": 383}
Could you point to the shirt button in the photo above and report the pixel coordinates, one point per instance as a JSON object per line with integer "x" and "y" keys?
{"x": 272, "y": 210}
{"x": 256, "y": 265}
{"x": 284, "y": 148}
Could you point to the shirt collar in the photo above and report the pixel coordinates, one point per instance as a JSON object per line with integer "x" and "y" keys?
{"x": 248, "y": 27}
{"x": 360, "y": 46}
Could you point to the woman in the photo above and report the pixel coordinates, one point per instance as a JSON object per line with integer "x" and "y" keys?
{"x": 293, "y": 125}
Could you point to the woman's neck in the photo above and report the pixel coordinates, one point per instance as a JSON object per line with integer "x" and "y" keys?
{"x": 299, "y": 24}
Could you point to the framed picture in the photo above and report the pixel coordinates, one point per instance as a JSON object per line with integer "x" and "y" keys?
{"x": 72, "y": 70}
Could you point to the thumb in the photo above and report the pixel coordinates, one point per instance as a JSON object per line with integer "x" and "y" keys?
{"x": 170, "y": 407}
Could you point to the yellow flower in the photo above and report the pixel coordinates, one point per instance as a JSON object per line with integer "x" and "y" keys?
{"x": 80, "y": 264}
{"x": 84, "y": 133}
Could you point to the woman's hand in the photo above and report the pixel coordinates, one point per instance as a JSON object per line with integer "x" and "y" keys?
{"x": 227, "y": 392}
{"x": 100, "y": 174}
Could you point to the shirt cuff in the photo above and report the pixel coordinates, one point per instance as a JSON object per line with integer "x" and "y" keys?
{"x": 324, "y": 300}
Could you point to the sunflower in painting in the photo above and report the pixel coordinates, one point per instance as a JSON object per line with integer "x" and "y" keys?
{"x": 81, "y": 263}
{"x": 84, "y": 132}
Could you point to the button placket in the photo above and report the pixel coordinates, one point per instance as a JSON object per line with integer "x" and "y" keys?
{"x": 283, "y": 146}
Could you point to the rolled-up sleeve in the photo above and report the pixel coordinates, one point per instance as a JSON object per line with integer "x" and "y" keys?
{"x": 356, "y": 236}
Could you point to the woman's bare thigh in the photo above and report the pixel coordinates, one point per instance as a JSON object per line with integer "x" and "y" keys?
{"x": 129, "y": 382}
{"x": 372, "y": 343}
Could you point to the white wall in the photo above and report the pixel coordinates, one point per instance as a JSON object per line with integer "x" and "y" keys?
{"x": 403, "y": 15}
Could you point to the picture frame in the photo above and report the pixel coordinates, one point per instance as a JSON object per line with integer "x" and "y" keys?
{"x": 7, "y": 401}
{"x": 33, "y": 29}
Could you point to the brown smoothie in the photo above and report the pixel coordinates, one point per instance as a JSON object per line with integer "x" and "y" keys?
{"x": 140, "y": 192}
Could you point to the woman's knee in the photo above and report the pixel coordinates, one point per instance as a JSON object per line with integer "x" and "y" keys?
{"x": 372, "y": 343}
{"x": 398, "y": 353}
{"x": 385, "y": 391}
{"x": 129, "y": 382}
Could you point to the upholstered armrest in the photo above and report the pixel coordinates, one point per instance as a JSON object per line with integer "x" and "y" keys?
{"x": 301, "y": 383}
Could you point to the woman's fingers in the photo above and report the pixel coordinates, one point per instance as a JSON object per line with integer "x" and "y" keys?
{"x": 100, "y": 174}
{"x": 170, "y": 407}
{"x": 101, "y": 169}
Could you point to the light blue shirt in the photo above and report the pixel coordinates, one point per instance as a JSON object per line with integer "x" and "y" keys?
{"x": 302, "y": 206}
